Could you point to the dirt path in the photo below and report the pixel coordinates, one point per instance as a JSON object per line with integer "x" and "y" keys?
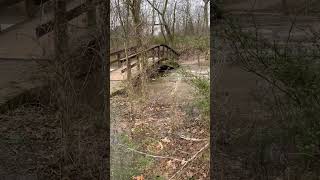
{"x": 161, "y": 126}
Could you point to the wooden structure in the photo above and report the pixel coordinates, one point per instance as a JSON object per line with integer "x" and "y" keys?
{"x": 153, "y": 57}
{"x": 21, "y": 50}
{"x": 153, "y": 54}
{"x": 31, "y": 6}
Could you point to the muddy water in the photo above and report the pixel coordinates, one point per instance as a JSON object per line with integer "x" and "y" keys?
{"x": 167, "y": 88}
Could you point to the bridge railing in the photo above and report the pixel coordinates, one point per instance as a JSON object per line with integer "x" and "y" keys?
{"x": 160, "y": 51}
{"x": 84, "y": 7}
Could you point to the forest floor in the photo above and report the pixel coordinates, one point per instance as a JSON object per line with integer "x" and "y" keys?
{"x": 164, "y": 136}
{"x": 32, "y": 147}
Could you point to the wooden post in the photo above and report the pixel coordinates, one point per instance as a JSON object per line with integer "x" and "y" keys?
{"x": 158, "y": 49}
{"x": 153, "y": 55}
{"x": 138, "y": 62}
{"x": 166, "y": 51}
{"x": 118, "y": 58}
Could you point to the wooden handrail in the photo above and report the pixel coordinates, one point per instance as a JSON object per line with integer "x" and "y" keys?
{"x": 138, "y": 53}
{"x": 47, "y": 27}
{"x": 123, "y": 50}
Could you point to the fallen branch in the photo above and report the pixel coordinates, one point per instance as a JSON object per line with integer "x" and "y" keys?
{"x": 192, "y": 139}
{"x": 189, "y": 160}
{"x": 150, "y": 155}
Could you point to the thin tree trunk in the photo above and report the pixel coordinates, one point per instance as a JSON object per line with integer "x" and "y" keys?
{"x": 62, "y": 88}
{"x": 128, "y": 62}
{"x": 174, "y": 18}
{"x": 164, "y": 23}
{"x": 162, "y": 30}
{"x": 307, "y": 7}
{"x": 105, "y": 61}
{"x": 60, "y": 29}
{"x": 206, "y": 16}
{"x": 213, "y": 122}
{"x": 285, "y": 7}
{"x": 91, "y": 14}
{"x": 31, "y": 8}
{"x": 153, "y": 19}
{"x": 135, "y": 10}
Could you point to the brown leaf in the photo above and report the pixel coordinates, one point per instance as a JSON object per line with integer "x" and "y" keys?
{"x": 138, "y": 177}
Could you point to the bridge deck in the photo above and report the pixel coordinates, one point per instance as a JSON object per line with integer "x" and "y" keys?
{"x": 117, "y": 77}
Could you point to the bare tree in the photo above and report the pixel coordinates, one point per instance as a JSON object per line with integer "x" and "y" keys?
{"x": 135, "y": 8}
{"x": 205, "y": 14}
{"x": 153, "y": 19}
{"x": 163, "y": 19}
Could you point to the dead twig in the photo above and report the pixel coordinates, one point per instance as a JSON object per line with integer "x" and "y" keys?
{"x": 150, "y": 155}
{"x": 189, "y": 160}
{"x": 192, "y": 139}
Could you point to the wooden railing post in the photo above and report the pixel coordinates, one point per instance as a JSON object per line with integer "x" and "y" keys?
{"x": 166, "y": 51}
{"x": 138, "y": 62}
{"x": 158, "y": 49}
{"x": 162, "y": 51}
{"x": 118, "y": 58}
{"x": 153, "y": 55}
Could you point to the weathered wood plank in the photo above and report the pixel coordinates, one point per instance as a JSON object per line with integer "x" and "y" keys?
{"x": 45, "y": 28}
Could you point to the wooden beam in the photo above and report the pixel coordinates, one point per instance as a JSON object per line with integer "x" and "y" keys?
{"x": 152, "y": 48}
{"x": 5, "y": 3}
{"x": 45, "y": 28}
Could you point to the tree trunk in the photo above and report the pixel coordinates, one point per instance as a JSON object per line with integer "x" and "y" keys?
{"x": 307, "y": 7}
{"x": 206, "y": 21}
{"x": 91, "y": 14}
{"x": 104, "y": 9}
{"x": 135, "y": 10}
{"x": 135, "y": 7}
{"x": 62, "y": 88}
{"x": 153, "y": 19}
{"x": 167, "y": 28}
{"x": 174, "y": 19}
{"x": 60, "y": 29}
{"x": 285, "y": 7}
{"x": 163, "y": 19}
{"x": 31, "y": 8}
{"x": 217, "y": 9}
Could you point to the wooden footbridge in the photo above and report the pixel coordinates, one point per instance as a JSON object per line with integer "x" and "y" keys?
{"x": 30, "y": 41}
{"x": 26, "y": 43}
{"x": 129, "y": 63}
